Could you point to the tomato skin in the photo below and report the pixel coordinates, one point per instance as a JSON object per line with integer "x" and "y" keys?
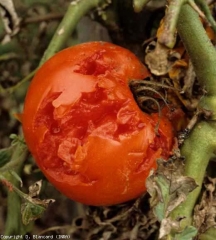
{"x": 84, "y": 128}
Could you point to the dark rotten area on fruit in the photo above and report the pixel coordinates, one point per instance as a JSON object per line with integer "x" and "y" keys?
{"x": 176, "y": 201}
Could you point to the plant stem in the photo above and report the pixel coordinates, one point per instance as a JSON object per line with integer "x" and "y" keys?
{"x": 197, "y": 150}
{"x": 14, "y": 224}
{"x": 75, "y": 11}
{"x": 138, "y": 5}
{"x": 201, "y": 144}
{"x": 200, "y": 49}
{"x": 168, "y": 36}
{"x": 205, "y": 8}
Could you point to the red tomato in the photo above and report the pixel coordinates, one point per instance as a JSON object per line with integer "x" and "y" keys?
{"x": 84, "y": 128}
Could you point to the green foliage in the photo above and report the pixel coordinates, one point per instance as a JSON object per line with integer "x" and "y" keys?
{"x": 160, "y": 208}
{"x": 5, "y": 155}
{"x": 31, "y": 212}
{"x": 187, "y": 234}
{"x": 168, "y": 188}
{"x": 210, "y": 234}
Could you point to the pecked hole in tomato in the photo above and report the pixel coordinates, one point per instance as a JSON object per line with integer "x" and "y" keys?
{"x": 93, "y": 65}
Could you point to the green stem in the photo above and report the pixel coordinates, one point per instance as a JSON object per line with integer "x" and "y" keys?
{"x": 75, "y": 11}
{"x": 15, "y": 87}
{"x": 16, "y": 159}
{"x": 138, "y": 5}
{"x": 205, "y": 8}
{"x": 15, "y": 189}
{"x": 14, "y": 224}
{"x": 197, "y": 150}
{"x": 202, "y": 54}
{"x": 201, "y": 144}
{"x": 200, "y": 49}
{"x": 168, "y": 35}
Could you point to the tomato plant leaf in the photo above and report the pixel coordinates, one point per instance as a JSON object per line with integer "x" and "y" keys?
{"x": 17, "y": 140}
{"x": 160, "y": 208}
{"x": 16, "y": 176}
{"x": 5, "y": 155}
{"x": 210, "y": 234}
{"x": 187, "y": 234}
{"x": 168, "y": 225}
{"x": 171, "y": 228}
{"x": 168, "y": 188}
{"x": 205, "y": 210}
{"x": 33, "y": 207}
{"x": 31, "y": 212}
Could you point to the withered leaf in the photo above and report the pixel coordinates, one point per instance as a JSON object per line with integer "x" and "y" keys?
{"x": 34, "y": 189}
{"x": 187, "y": 234}
{"x": 10, "y": 19}
{"x": 33, "y": 207}
{"x": 167, "y": 224}
{"x": 31, "y": 212}
{"x": 157, "y": 60}
{"x": 123, "y": 221}
{"x": 168, "y": 188}
{"x": 162, "y": 60}
{"x": 189, "y": 80}
{"x": 162, "y": 192}
{"x": 205, "y": 211}
{"x": 178, "y": 71}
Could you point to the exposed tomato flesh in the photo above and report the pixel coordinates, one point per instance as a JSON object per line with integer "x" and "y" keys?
{"x": 96, "y": 115}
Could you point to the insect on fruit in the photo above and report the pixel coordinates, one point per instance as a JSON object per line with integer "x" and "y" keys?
{"x": 86, "y": 131}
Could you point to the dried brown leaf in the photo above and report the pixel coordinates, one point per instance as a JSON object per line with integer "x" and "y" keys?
{"x": 168, "y": 188}
{"x": 34, "y": 189}
{"x": 205, "y": 211}
{"x": 10, "y": 19}
{"x": 157, "y": 60}
{"x": 124, "y": 221}
{"x": 167, "y": 225}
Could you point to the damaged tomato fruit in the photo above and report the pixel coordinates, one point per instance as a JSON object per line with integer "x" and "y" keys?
{"x": 84, "y": 128}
